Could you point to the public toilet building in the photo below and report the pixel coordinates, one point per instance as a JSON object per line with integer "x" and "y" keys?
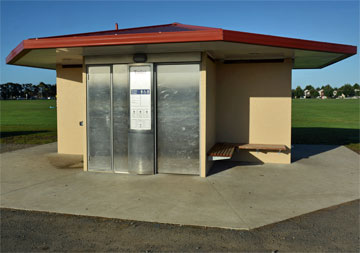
{"x": 174, "y": 98}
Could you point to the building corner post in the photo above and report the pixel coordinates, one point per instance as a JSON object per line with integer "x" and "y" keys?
{"x": 84, "y": 126}
{"x": 203, "y": 115}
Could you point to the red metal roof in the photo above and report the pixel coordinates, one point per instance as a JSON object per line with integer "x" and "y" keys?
{"x": 173, "y": 27}
{"x": 172, "y": 33}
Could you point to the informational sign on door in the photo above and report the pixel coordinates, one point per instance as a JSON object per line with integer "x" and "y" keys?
{"x": 140, "y": 98}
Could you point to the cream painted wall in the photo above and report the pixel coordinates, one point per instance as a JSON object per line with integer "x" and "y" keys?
{"x": 202, "y": 149}
{"x": 210, "y": 107}
{"x": 84, "y": 129}
{"x": 71, "y": 94}
{"x": 253, "y": 105}
{"x": 270, "y": 123}
{"x": 236, "y": 105}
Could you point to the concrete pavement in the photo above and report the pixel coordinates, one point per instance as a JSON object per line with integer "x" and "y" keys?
{"x": 238, "y": 196}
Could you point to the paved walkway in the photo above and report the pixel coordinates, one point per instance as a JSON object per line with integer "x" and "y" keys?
{"x": 239, "y": 197}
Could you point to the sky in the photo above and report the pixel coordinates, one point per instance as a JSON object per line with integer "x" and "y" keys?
{"x": 328, "y": 21}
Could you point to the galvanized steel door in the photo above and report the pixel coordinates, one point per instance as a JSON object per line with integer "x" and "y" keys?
{"x": 178, "y": 118}
{"x": 99, "y": 118}
{"x": 120, "y": 118}
{"x": 121, "y": 126}
{"x": 120, "y": 94}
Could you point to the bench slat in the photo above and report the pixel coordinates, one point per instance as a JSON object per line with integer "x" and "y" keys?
{"x": 228, "y": 149}
{"x": 222, "y": 149}
{"x": 269, "y": 147}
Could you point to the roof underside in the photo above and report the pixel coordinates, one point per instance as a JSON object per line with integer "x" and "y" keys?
{"x": 222, "y": 45}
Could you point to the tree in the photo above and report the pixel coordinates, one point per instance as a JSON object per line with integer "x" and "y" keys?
{"x": 328, "y": 91}
{"x": 310, "y": 91}
{"x": 4, "y": 91}
{"x": 314, "y": 93}
{"x": 52, "y": 90}
{"x": 42, "y": 89}
{"x": 338, "y": 92}
{"x": 356, "y": 89}
{"x": 348, "y": 90}
{"x": 309, "y": 87}
{"x": 28, "y": 90}
{"x": 298, "y": 92}
{"x": 36, "y": 91}
{"x": 15, "y": 90}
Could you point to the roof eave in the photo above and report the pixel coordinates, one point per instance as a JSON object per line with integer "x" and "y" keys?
{"x": 340, "y": 58}
{"x": 277, "y": 41}
{"x": 111, "y": 40}
{"x": 183, "y": 36}
{"x": 16, "y": 53}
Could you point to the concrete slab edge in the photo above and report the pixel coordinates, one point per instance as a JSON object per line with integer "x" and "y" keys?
{"x": 126, "y": 220}
{"x": 177, "y": 224}
{"x": 321, "y": 209}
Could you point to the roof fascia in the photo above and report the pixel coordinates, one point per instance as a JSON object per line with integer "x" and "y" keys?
{"x": 123, "y": 39}
{"x": 16, "y": 53}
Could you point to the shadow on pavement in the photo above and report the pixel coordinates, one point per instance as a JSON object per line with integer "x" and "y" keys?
{"x": 220, "y": 166}
{"x": 324, "y": 136}
{"x": 322, "y": 139}
{"x": 17, "y": 133}
{"x": 302, "y": 151}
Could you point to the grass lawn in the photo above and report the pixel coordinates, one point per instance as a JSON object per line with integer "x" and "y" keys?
{"x": 313, "y": 122}
{"x": 28, "y": 121}
{"x": 331, "y": 121}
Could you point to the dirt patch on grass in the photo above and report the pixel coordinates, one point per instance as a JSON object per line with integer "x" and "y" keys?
{"x": 32, "y": 137}
{"x": 354, "y": 147}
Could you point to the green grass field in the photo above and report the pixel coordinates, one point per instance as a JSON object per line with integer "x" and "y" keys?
{"x": 313, "y": 122}
{"x": 331, "y": 121}
{"x": 28, "y": 121}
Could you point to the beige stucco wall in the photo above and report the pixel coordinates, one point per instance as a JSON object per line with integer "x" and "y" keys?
{"x": 202, "y": 113}
{"x": 84, "y": 129}
{"x": 242, "y": 103}
{"x": 253, "y": 105}
{"x": 210, "y": 107}
{"x": 270, "y": 123}
{"x": 71, "y": 94}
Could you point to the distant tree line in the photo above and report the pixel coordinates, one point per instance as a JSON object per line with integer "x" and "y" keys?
{"x": 43, "y": 90}
{"x": 347, "y": 90}
{"x": 27, "y": 91}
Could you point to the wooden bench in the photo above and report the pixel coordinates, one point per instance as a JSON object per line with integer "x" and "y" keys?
{"x": 221, "y": 151}
{"x": 262, "y": 147}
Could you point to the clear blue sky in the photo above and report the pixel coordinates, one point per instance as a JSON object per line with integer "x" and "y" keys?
{"x": 329, "y": 21}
